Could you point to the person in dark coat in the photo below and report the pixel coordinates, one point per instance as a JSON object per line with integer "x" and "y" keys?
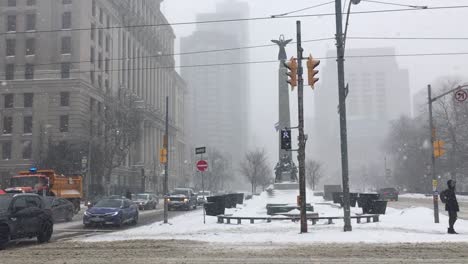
{"x": 449, "y": 198}
{"x": 128, "y": 195}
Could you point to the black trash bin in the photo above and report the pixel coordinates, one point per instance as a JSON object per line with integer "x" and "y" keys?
{"x": 213, "y": 209}
{"x": 353, "y": 199}
{"x": 231, "y": 200}
{"x": 239, "y": 198}
{"x": 219, "y": 200}
{"x": 338, "y": 197}
{"x": 379, "y": 207}
{"x": 365, "y": 201}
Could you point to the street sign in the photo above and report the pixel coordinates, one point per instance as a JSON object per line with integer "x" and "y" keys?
{"x": 461, "y": 95}
{"x": 201, "y": 150}
{"x": 202, "y": 165}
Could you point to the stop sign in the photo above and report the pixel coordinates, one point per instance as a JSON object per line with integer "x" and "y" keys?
{"x": 202, "y": 165}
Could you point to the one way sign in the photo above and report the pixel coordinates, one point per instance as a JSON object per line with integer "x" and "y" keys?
{"x": 286, "y": 138}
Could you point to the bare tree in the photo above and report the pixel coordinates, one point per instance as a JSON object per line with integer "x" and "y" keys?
{"x": 64, "y": 157}
{"x": 313, "y": 172}
{"x": 121, "y": 129}
{"x": 255, "y": 168}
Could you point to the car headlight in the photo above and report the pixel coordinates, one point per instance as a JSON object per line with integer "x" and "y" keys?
{"x": 87, "y": 213}
{"x": 114, "y": 214}
{"x": 185, "y": 200}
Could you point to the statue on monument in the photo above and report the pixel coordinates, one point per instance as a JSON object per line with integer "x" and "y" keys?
{"x": 282, "y": 44}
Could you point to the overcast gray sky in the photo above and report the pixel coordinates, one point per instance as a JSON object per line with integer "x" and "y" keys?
{"x": 419, "y": 23}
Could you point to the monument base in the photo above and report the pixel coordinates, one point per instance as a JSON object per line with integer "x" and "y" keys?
{"x": 286, "y": 186}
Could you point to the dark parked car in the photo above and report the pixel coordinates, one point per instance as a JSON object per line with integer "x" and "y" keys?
{"x": 145, "y": 201}
{"x": 62, "y": 209}
{"x": 389, "y": 194}
{"x": 24, "y": 216}
{"x": 182, "y": 198}
{"x": 111, "y": 212}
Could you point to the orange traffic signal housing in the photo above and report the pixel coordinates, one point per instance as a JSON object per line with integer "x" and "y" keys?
{"x": 311, "y": 71}
{"x": 439, "y": 148}
{"x": 292, "y": 67}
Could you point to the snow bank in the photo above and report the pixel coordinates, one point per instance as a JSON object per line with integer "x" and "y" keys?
{"x": 397, "y": 226}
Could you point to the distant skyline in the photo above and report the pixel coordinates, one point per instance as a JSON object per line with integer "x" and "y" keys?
{"x": 418, "y": 23}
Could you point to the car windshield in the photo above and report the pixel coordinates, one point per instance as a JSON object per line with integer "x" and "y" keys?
{"x": 24, "y": 181}
{"x": 4, "y": 202}
{"x": 109, "y": 203}
{"x": 142, "y": 197}
{"x": 204, "y": 194}
{"x": 180, "y": 191}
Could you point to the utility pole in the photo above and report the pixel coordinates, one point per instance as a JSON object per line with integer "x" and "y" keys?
{"x": 434, "y": 177}
{"x": 342, "y": 111}
{"x": 166, "y": 165}
{"x": 301, "y": 151}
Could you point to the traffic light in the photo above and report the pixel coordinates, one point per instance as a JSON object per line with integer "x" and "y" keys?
{"x": 163, "y": 156}
{"x": 439, "y": 148}
{"x": 292, "y": 67}
{"x": 312, "y": 72}
{"x": 286, "y": 138}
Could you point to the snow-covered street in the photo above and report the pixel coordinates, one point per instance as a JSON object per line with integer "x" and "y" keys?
{"x": 410, "y": 225}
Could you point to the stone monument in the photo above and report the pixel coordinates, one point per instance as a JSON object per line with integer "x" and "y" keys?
{"x": 285, "y": 169}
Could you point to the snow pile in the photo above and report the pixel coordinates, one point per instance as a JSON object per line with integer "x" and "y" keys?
{"x": 462, "y": 198}
{"x": 409, "y": 225}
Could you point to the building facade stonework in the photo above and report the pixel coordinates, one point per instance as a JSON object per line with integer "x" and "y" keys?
{"x": 60, "y": 59}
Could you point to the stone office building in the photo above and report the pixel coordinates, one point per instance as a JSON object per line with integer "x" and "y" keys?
{"x": 60, "y": 59}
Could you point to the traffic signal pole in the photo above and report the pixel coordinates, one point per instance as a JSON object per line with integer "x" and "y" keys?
{"x": 342, "y": 111}
{"x": 301, "y": 151}
{"x": 431, "y": 100}
{"x": 166, "y": 165}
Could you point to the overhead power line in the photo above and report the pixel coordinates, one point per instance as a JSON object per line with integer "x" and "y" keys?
{"x": 269, "y": 61}
{"x": 302, "y": 9}
{"x": 395, "y": 4}
{"x": 237, "y": 20}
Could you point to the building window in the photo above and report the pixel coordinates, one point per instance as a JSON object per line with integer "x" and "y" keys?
{"x": 93, "y": 31}
{"x": 27, "y": 125}
{"x": 91, "y": 76}
{"x": 101, "y": 15}
{"x": 27, "y": 149}
{"x": 100, "y": 37}
{"x": 11, "y": 23}
{"x": 31, "y": 2}
{"x": 65, "y": 70}
{"x": 66, "y": 45}
{"x": 64, "y": 99}
{"x": 9, "y": 100}
{"x": 64, "y": 123}
{"x": 11, "y": 2}
{"x": 108, "y": 22}
{"x": 107, "y": 65}
{"x": 100, "y": 60}
{"x": 28, "y": 99}
{"x": 6, "y": 150}
{"x": 107, "y": 43}
{"x": 93, "y": 8}
{"x": 30, "y": 46}
{"x": 10, "y": 71}
{"x": 66, "y": 20}
{"x": 66, "y": 2}
{"x": 106, "y": 85}
{"x": 29, "y": 71}
{"x": 91, "y": 55}
{"x": 99, "y": 81}
{"x": 30, "y": 22}
{"x": 11, "y": 47}
{"x": 7, "y": 125}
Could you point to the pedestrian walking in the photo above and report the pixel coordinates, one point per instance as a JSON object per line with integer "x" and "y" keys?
{"x": 449, "y": 198}
{"x": 128, "y": 195}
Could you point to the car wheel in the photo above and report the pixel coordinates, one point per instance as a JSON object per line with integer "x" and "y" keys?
{"x": 87, "y": 225}
{"x": 46, "y": 231}
{"x": 4, "y": 236}
{"x": 135, "y": 220}
{"x": 69, "y": 217}
{"x": 119, "y": 224}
